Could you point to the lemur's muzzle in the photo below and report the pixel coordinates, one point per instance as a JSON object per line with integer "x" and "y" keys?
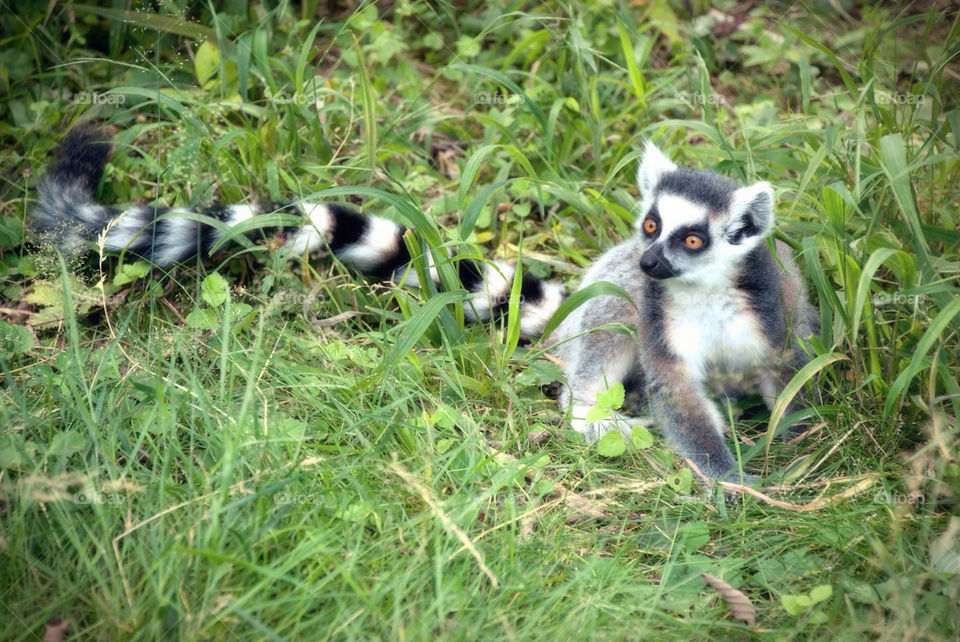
{"x": 654, "y": 264}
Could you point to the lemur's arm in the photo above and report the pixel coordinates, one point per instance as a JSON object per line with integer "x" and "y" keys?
{"x": 689, "y": 421}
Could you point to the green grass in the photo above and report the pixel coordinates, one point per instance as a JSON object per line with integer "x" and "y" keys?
{"x": 189, "y": 457}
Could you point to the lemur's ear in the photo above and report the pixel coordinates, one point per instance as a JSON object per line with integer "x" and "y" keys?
{"x": 652, "y": 167}
{"x": 751, "y": 213}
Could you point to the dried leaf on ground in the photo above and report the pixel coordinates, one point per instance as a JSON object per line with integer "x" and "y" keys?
{"x": 740, "y": 605}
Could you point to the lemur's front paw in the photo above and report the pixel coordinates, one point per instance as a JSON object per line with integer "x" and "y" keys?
{"x": 592, "y": 431}
{"x": 721, "y": 468}
{"x": 737, "y": 477}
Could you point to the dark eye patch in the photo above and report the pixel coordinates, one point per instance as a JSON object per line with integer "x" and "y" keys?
{"x": 654, "y": 216}
{"x": 701, "y": 230}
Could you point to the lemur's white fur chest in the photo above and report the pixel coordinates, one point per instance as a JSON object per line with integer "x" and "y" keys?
{"x": 713, "y": 327}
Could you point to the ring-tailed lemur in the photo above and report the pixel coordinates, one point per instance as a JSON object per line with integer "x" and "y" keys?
{"x": 68, "y": 216}
{"x": 708, "y": 292}
{"x": 709, "y": 295}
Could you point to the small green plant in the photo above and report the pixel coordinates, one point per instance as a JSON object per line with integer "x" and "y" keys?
{"x": 215, "y": 292}
{"x": 612, "y": 444}
{"x": 15, "y": 340}
{"x": 130, "y": 272}
{"x": 807, "y": 603}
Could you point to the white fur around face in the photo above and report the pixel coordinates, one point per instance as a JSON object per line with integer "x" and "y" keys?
{"x": 713, "y": 268}
{"x": 722, "y": 255}
{"x": 676, "y": 212}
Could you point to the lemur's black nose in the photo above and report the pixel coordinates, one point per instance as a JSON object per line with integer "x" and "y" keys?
{"x": 655, "y": 265}
{"x": 649, "y": 262}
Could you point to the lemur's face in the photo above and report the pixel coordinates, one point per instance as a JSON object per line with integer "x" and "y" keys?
{"x": 695, "y": 224}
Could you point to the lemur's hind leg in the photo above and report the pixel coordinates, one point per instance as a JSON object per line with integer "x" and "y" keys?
{"x": 803, "y": 322}
{"x": 635, "y": 394}
{"x": 775, "y": 380}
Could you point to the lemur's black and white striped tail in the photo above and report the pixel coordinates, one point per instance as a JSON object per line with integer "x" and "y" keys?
{"x": 68, "y": 216}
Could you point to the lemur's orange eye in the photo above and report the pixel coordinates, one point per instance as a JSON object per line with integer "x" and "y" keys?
{"x": 649, "y": 226}
{"x": 693, "y": 241}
